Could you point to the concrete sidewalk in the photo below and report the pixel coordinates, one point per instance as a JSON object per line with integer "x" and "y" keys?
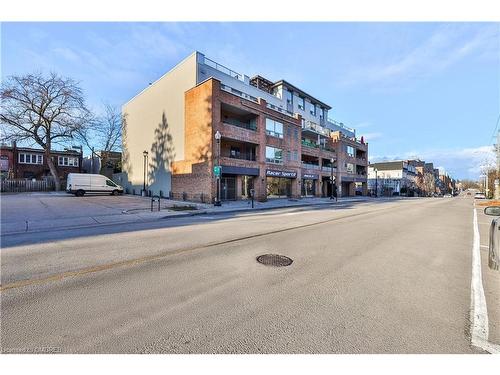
{"x": 169, "y": 209}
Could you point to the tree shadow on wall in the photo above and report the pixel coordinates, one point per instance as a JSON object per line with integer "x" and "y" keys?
{"x": 204, "y": 152}
{"x": 126, "y": 165}
{"x": 161, "y": 156}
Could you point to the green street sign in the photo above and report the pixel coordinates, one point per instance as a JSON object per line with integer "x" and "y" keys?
{"x": 217, "y": 170}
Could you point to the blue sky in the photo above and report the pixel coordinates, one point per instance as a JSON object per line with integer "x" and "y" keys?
{"x": 428, "y": 90}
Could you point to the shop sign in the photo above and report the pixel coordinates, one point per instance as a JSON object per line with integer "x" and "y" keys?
{"x": 285, "y": 174}
{"x": 308, "y": 176}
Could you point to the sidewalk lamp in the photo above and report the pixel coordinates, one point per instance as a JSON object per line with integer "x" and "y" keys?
{"x": 331, "y": 177}
{"x": 145, "y": 154}
{"x": 376, "y": 182}
{"x": 218, "y": 136}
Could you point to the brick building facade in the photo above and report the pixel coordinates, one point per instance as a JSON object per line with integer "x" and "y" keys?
{"x": 31, "y": 163}
{"x": 276, "y": 140}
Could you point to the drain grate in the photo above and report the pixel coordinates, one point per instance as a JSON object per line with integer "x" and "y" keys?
{"x": 274, "y": 260}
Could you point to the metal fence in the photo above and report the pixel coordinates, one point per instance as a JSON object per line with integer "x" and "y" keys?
{"x": 23, "y": 185}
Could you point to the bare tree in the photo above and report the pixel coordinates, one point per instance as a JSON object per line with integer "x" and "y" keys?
{"x": 46, "y": 110}
{"x": 105, "y": 134}
{"x": 429, "y": 183}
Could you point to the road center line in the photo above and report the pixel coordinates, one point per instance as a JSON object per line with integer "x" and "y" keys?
{"x": 479, "y": 311}
{"x": 131, "y": 262}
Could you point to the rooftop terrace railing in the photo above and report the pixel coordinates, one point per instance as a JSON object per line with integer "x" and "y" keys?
{"x": 223, "y": 69}
{"x": 340, "y": 125}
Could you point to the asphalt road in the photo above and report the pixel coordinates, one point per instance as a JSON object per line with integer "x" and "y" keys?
{"x": 387, "y": 277}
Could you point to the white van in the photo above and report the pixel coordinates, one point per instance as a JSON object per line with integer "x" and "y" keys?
{"x": 81, "y": 183}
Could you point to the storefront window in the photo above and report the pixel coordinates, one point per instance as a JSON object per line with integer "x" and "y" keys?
{"x": 279, "y": 187}
{"x": 246, "y": 187}
{"x": 308, "y": 188}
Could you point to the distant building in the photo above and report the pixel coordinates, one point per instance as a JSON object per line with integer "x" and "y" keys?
{"x": 392, "y": 178}
{"x": 30, "y": 163}
{"x": 104, "y": 162}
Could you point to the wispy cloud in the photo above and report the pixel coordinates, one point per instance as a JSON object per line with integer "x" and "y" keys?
{"x": 67, "y": 53}
{"x": 446, "y": 46}
{"x": 461, "y": 163}
{"x": 371, "y": 136}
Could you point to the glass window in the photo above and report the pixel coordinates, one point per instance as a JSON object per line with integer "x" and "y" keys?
{"x": 301, "y": 103}
{"x": 349, "y": 167}
{"x": 312, "y": 109}
{"x": 110, "y": 183}
{"x": 234, "y": 152}
{"x": 274, "y": 128}
{"x": 274, "y": 155}
{"x": 350, "y": 151}
{"x": 289, "y": 97}
{"x": 30, "y": 158}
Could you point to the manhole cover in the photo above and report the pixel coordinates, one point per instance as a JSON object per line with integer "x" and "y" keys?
{"x": 274, "y": 260}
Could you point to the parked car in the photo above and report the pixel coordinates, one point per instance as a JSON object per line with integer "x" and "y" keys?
{"x": 494, "y": 250}
{"x": 479, "y": 196}
{"x": 447, "y": 195}
{"x": 82, "y": 183}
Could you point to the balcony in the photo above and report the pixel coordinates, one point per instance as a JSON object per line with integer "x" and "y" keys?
{"x": 238, "y": 150}
{"x": 308, "y": 143}
{"x": 239, "y": 156}
{"x": 328, "y": 169}
{"x": 327, "y": 148}
{"x": 310, "y": 166}
{"x": 250, "y": 125}
{"x": 309, "y": 126}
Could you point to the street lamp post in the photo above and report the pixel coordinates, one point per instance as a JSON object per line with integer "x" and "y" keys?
{"x": 218, "y": 136}
{"x": 376, "y": 182}
{"x": 331, "y": 177}
{"x": 145, "y": 155}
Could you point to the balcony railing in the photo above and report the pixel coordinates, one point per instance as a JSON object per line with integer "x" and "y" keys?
{"x": 340, "y": 125}
{"x": 239, "y": 93}
{"x": 327, "y": 148}
{"x": 312, "y": 126}
{"x": 310, "y": 166}
{"x": 223, "y": 69}
{"x": 309, "y": 144}
{"x": 241, "y": 156}
{"x": 328, "y": 169}
{"x": 241, "y": 124}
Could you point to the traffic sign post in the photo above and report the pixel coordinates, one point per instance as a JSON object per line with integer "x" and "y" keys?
{"x": 217, "y": 170}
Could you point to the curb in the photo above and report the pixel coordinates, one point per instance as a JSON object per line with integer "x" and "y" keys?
{"x": 187, "y": 214}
